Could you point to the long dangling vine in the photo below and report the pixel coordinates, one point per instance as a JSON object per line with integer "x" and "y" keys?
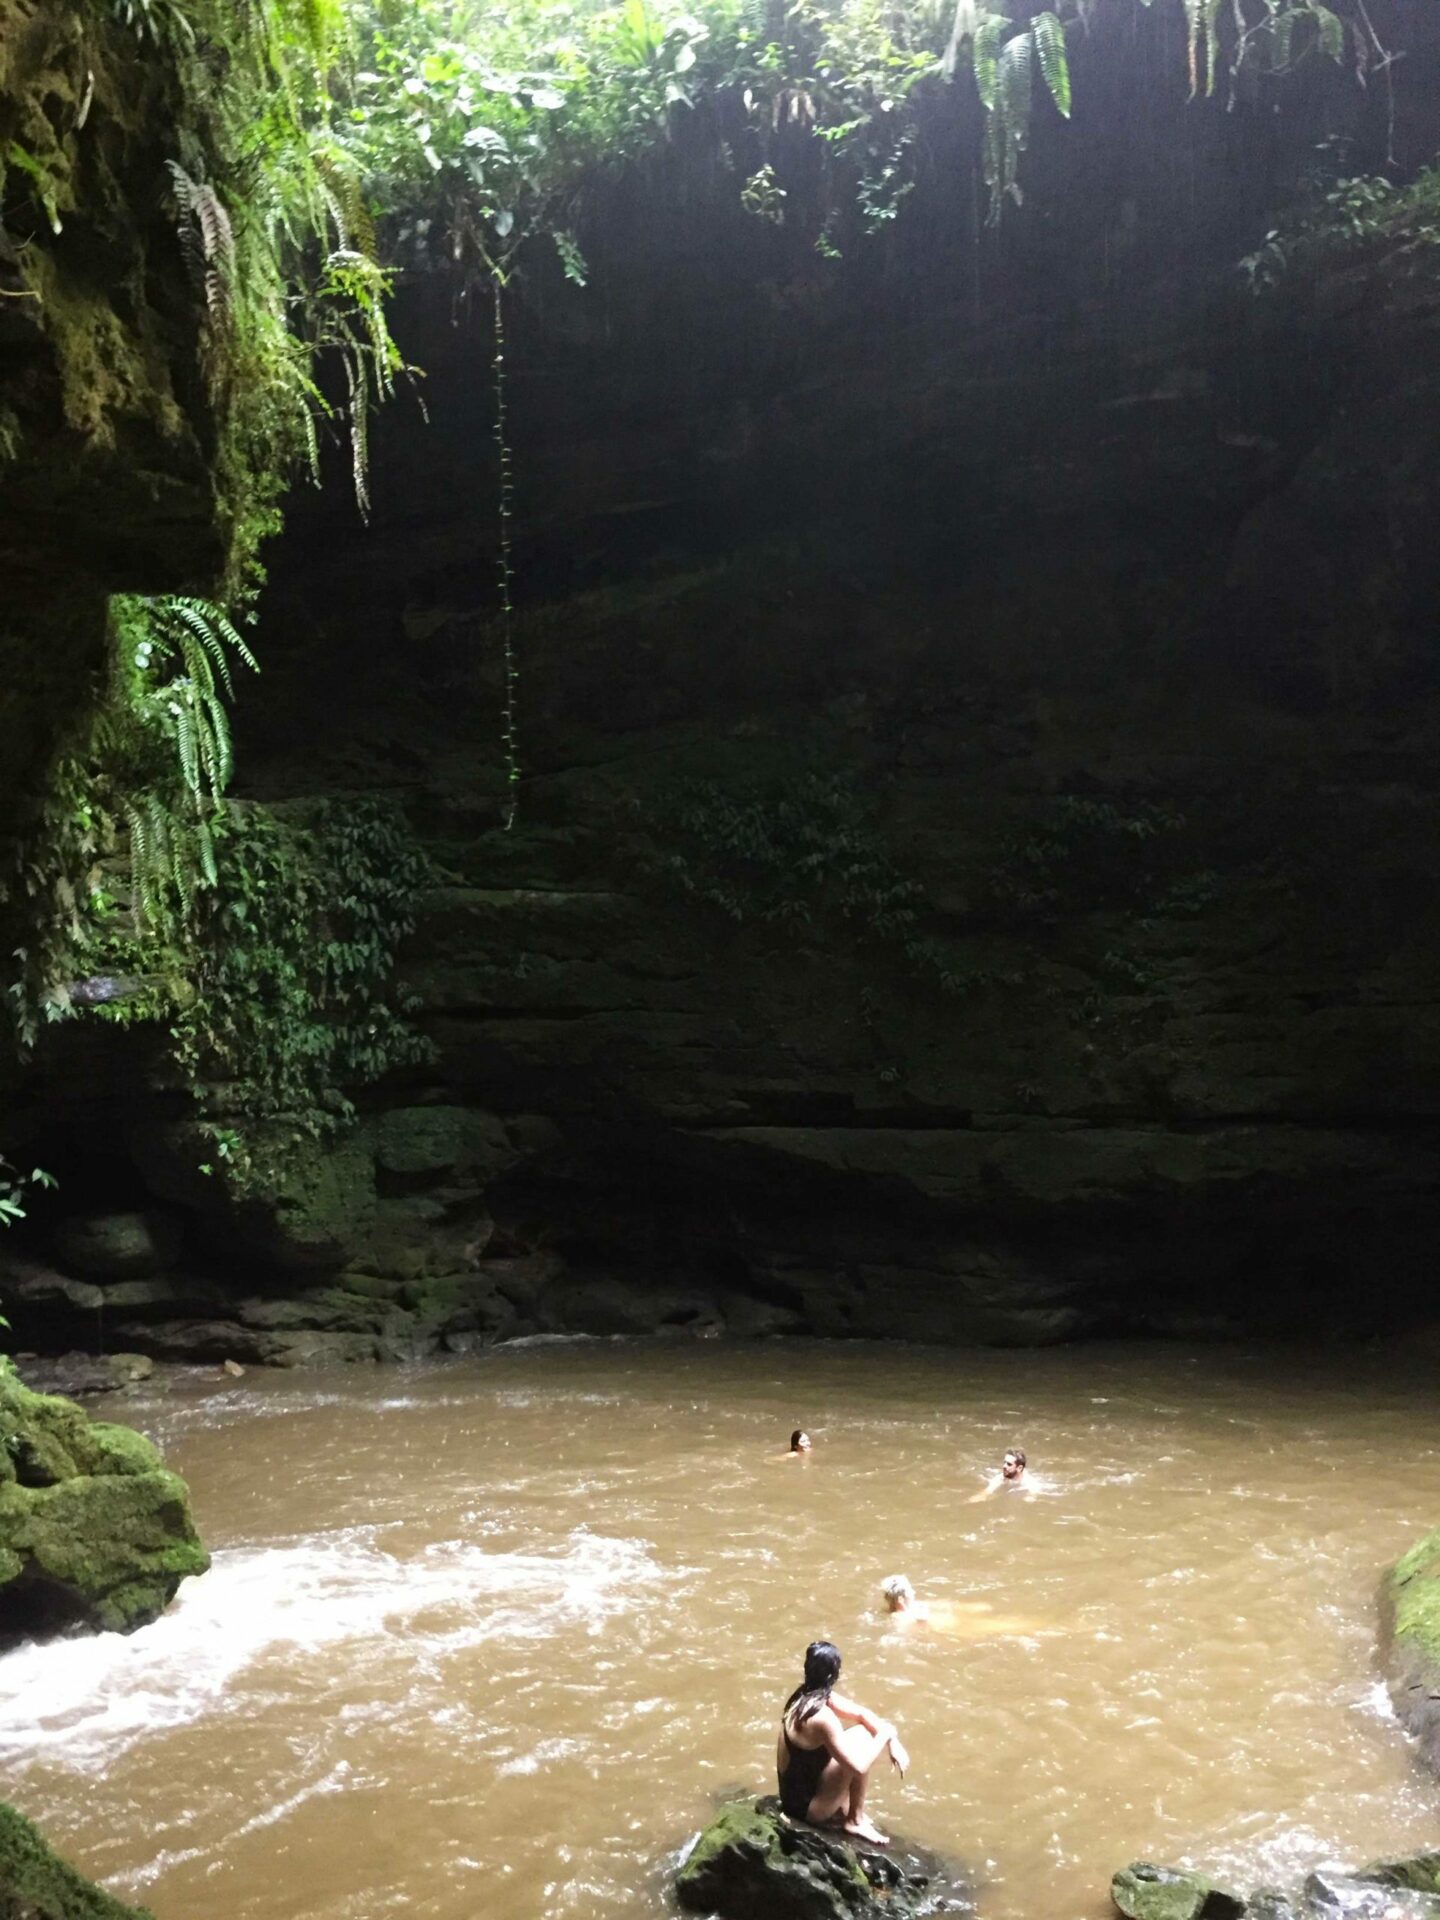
{"x": 505, "y": 569}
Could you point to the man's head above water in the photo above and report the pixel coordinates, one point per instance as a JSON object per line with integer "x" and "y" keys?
{"x": 899, "y": 1593}
{"x": 1013, "y": 1465}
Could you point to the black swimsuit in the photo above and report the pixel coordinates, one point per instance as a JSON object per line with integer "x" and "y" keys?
{"x": 801, "y": 1777}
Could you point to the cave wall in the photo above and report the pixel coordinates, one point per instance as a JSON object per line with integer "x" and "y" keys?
{"x": 1096, "y": 597}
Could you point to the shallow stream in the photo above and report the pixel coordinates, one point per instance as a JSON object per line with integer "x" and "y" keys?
{"x": 489, "y": 1638}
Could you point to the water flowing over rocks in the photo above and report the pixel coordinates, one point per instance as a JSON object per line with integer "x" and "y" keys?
{"x": 36, "y": 1884}
{"x": 1406, "y": 1889}
{"x": 94, "y": 1531}
{"x": 754, "y": 1863}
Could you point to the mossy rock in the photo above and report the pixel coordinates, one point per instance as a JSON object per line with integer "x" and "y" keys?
{"x": 94, "y": 1531}
{"x": 1410, "y": 1604}
{"x": 36, "y": 1884}
{"x": 754, "y": 1863}
{"x": 1420, "y": 1872}
{"x": 317, "y": 1213}
{"x": 1142, "y": 1891}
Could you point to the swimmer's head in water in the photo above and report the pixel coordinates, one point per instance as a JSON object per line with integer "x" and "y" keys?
{"x": 799, "y": 1441}
{"x": 1013, "y": 1465}
{"x": 898, "y": 1592}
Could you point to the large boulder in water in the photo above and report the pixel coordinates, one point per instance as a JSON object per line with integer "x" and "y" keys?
{"x": 754, "y": 1863}
{"x": 36, "y": 1884}
{"x": 94, "y": 1532}
{"x": 1145, "y": 1892}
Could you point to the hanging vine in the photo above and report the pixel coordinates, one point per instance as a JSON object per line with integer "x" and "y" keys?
{"x": 504, "y": 567}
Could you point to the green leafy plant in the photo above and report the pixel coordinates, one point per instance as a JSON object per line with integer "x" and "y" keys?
{"x": 1080, "y": 854}
{"x": 294, "y": 955}
{"x": 12, "y": 1189}
{"x": 800, "y": 851}
{"x": 1359, "y": 218}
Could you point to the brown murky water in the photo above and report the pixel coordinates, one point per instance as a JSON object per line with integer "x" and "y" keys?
{"x": 489, "y": 1638}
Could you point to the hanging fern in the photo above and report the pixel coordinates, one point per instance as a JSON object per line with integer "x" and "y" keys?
{"x": 1054, "y": 64}
{"x": 208, "y": 239}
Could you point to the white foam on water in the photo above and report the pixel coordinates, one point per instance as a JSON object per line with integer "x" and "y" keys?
{"x": 90, "y": 1700}
{"x": 1375, "y": 1702}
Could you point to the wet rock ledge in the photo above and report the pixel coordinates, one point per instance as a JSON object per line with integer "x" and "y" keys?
{"x": 753, "y": 1863}
{"x": 36, "y": 1884}
{"x": 1410, "y": 1608}
{"x": 94, "y": 1531}
{"x": 1406, "y": 1889}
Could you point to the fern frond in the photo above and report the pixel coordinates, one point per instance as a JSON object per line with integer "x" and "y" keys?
{"x": 186, "y": 746}
{"x": 988, "y": 37}
{"x": 1054, "y": 62}
{"x": 139, "y": 863}
{"x": 205, "y": 847}
{"x": 1013, "y": 103}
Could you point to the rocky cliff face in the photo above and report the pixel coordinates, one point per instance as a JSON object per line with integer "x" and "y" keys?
{"x": 104, "y": 483}
{"x": 976, "y": 874}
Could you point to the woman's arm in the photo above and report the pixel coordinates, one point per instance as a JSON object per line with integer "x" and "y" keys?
{"x": 852, "y": 1710}
{"x": 858, "y": 1747}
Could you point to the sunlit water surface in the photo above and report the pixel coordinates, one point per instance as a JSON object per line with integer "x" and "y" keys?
{"x": 491, "y": 1638}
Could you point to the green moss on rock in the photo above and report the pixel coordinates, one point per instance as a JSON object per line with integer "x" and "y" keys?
{"x": 1142, "y": 1891}
{"x": 94, "y": 1530}
{"x": 753, "y": 1863}
{"x": 36, "y": 1884}
{"x": 1410, "y": 1604}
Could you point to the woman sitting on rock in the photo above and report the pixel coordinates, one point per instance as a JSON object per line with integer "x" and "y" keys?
{"x": 827, "y": 1747}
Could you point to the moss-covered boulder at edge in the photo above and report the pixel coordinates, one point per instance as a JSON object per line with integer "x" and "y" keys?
{"x": 94, "y": 1531}
{"x": 1410, "y": 1604}
{"x": 1143, "y": 1891}
{"x": 36, "y": 1884}
{"x": 753, "y": 1863}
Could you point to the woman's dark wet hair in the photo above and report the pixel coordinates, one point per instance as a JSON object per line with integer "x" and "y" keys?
{"x": 796, "y": 1437}
{"x": 822, "y": 1670}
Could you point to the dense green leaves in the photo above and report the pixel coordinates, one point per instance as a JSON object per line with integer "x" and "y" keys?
{"x": 293, "y": 952}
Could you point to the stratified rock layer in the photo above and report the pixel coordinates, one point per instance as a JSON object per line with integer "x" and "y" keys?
{"x": 94, "y": 1531}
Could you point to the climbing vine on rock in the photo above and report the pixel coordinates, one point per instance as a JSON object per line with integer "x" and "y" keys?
{"x": 294, "y": 999}
{"x": 797, "y": 851}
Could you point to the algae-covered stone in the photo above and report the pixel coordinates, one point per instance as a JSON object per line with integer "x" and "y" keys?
{"x": 753, "y": 1863}
{"x": 1410, "y": 1603}
{"x": 94, "y": 1531}
{"x": 120, "y": 1246}
{"x": 1420, "y": 1871}
{"x": 1145, "y": 1892}
{"x": 424, "y": 1142}
{"x": 36, "y": 1884}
